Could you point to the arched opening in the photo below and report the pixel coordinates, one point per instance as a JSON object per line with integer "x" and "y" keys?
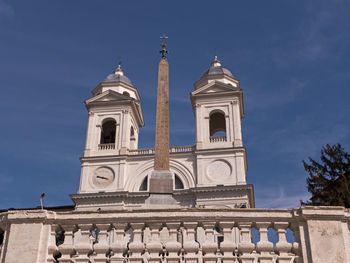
{"x": 108, "y": 132}
{"x": 125, "y": 93}
{"x": 178, "y": 183}
{"x": 144, "y": 185}
{"x": 217, "y": 123}
{"x": 132, "y": 133}
{"x": 217, "y": 127}
{"x": 132, "y": 138}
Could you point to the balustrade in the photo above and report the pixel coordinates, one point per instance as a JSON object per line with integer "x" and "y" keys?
{"x": 221, "y": 138}
{"x": 181, "y": 149}
{"x": 174, "y": 149}
{"x": 157, "y": 241}
{"x": 106, "y": 146}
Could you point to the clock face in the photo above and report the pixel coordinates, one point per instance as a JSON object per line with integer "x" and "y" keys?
{"x": 103, "y": 177}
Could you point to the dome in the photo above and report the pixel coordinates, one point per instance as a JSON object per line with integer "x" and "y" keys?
{"x": 118, "y": 76}
{"x": 216, "y": 69}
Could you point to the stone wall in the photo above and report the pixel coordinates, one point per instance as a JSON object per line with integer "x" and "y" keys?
{"x": 191, "y": 235}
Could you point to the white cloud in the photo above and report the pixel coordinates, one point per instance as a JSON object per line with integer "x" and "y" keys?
{"x": 277, "y": 198}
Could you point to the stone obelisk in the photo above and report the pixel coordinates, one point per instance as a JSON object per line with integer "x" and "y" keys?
{"x": 161, "y": 180}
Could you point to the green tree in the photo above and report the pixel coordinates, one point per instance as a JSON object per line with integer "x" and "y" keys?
{"x": 329, "y": 180}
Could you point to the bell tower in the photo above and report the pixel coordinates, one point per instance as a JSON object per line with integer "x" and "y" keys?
{"x": 218, "y": 108}
{"x": 115, "y": 118}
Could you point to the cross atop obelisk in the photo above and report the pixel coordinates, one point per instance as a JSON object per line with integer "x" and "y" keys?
{"x": 161, "y": 180}
{"x": 164, "y": 51}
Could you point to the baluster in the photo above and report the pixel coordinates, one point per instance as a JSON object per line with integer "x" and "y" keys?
{"x": 173, "y": 246}
{"x": 118, "y": 244}
{"x": 228, "y": 247}
{"x": 83, "y": 244}
{"x": 101, "y": 248}
{"x": 209, "y": 247}
{"x": 67, "y": 248}
{"x": 245, "y": 246}
{"x": 282, "y": 246}
{"x": 136, "y": 247}
{"x": 52, "y": 248}
{"x": 264, "y": 246}
{"x": 190, "y": 245}
{"x": 154, "y": 247}
{"x": 296, "y": 245}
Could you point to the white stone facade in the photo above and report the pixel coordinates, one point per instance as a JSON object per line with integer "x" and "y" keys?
{"x": 214, "y": 160}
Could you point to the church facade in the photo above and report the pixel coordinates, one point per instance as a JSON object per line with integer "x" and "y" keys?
{"x": 189, "y": 204}
{"x": 210, "y": 173}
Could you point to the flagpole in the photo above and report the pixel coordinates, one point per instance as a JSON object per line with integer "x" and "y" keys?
{"x": 41, "y": 200}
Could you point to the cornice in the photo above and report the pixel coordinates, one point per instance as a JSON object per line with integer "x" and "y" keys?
{"x": 114, "y": 84}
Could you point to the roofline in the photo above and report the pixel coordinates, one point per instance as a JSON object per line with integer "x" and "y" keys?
{"x": 51, "y": 208}
{"x": 112, "y": 84}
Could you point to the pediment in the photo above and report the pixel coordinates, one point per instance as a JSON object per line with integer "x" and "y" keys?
{"x": 108, "y": 95}
{"x": 215, "y": 87}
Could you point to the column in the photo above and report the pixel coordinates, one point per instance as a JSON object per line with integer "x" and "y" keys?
{"x": 228, "y": 247}
{"x": 52, "y": 248}
{"x": 118, "y": 244}
{"x": 83, "y": 244}
{"x": 283, "y": 248}
{"x": 264, "y": 246}
{"x": 245, "y": 246}
{"x": 137, "y": 246}
{"x": 190, "y": 245}
{"x": 209, "y": 247}
{"x": 154, "y": 247}
{"x": 101, "y": 247}
{"x": 173, "y": 246}
{"x": 67, "y": 248}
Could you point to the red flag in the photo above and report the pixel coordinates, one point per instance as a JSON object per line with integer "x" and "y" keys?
{"x": 42, "y": 196}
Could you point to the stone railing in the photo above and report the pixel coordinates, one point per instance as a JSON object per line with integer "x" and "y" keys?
{"x": 186, "y": 235}
{"x": 182, "y": 149}
{"x": 106, "y": 146}
{"x": 142, "y": 151}
{"x": 174, "y": 149}
{"x": 176, "y": 236}
{"x": 221, "y": 138}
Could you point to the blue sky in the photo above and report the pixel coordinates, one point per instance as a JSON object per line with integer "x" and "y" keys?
{"x": 291, "y": 57}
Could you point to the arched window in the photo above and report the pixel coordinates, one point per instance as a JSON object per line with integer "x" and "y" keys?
{"x": 125, "y": 93}
{"x": 217, "y": 124}
{"x": 144, "y": 185}
{"x": 178, "y": 183}
{"x": 132, "y": 133}
{"x": 108, "y": 132}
